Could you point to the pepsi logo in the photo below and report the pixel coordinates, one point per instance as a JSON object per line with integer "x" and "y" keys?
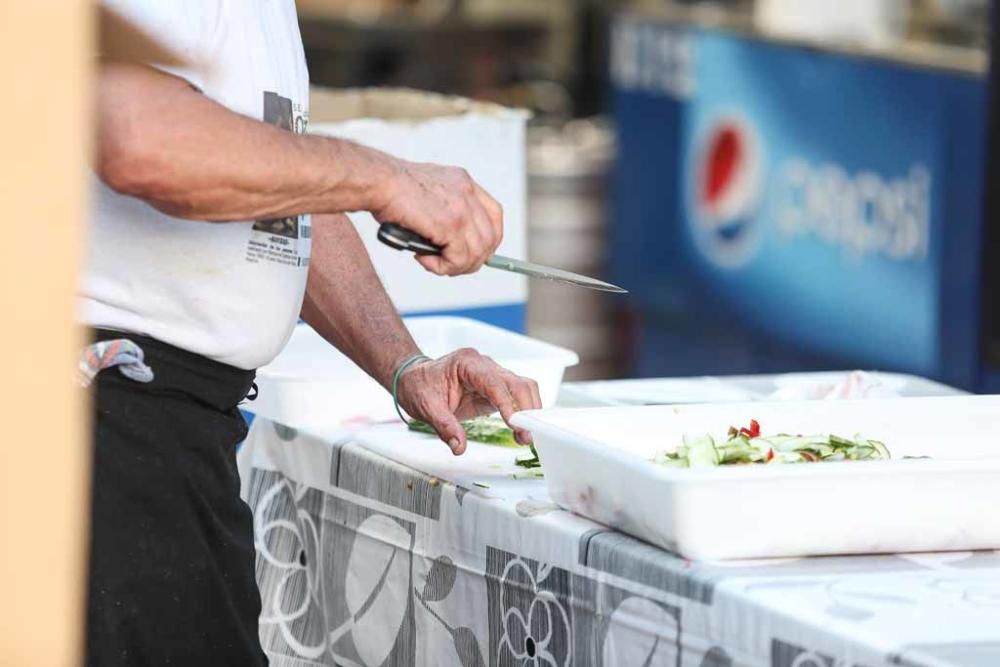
{"x": 725, "y": 185}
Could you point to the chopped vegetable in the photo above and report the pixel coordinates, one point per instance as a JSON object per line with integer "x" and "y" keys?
{"x": 529, "y": 461}
{"x": 701, "y": 452}
{"x": 747, "y": 445}
{"x": 488, "y": 430}
{"x": 750, "y": 432}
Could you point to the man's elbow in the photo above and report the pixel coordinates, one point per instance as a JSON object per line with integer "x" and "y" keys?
{"x": 142, "y": 172}
{"x": 129, "y": 168}
{"x": 135, "y": 168}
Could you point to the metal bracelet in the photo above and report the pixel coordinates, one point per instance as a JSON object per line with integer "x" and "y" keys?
{"x": 410, "y": 361}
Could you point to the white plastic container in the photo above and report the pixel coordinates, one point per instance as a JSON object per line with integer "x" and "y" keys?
{"x": 595, "y": 462}
{"x": 311, "y": 385}
{"x": 738, "y": 388}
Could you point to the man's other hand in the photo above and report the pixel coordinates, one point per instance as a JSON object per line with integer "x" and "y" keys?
{"x": 464, "y": 385}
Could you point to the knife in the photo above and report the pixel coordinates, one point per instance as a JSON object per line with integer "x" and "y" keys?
{"x": 398, "y": 238}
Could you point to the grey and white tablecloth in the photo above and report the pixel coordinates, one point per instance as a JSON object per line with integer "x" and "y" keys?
{"x": 372, "y": 551}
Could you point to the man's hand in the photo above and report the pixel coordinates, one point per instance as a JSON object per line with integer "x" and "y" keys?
{"x": 447, "y": 207}
{"x": 460, "y": 386}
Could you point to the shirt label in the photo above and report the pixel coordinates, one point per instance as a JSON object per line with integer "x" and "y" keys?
{"x": 286, "y": 241}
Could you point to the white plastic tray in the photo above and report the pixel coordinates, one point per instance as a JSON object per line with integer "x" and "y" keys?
{"x": 311, "y": 385}
{"x": 595, "y": 465}
{"x": 736, "y": 388}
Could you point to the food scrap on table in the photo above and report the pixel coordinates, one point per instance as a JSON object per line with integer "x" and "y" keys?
{"x": 488, "y": 430}
{"x": 493, "y": 431}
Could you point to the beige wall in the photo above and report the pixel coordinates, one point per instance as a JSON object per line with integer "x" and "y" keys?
{"x": 44, "y": 126}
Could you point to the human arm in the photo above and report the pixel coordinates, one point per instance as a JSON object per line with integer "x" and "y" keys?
{"x": 347, "y": 305}
{"x": 161, "y": 140}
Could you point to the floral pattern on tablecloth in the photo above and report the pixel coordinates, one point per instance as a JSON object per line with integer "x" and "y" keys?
{"x": 530, "y": 620}
{"x": 342, "y": 608}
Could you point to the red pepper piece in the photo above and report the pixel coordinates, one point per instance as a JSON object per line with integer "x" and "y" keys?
{"x": 753, "y": 431}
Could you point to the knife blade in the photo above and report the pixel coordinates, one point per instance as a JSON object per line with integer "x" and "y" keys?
{"x": 399, "y": 238}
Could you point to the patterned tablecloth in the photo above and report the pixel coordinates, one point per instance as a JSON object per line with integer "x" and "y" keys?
{"x": 371, "y": 550}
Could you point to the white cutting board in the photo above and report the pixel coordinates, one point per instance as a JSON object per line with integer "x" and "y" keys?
{"x": 595, "y": 461}
{"x": 485, "y": 470}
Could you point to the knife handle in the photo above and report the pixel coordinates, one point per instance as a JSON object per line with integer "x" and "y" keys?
{"x": 399, "y": 238}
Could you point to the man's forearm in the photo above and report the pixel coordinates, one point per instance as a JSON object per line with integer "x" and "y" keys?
{"x": 347, "y": 305}
{"x": 162, "y": 141}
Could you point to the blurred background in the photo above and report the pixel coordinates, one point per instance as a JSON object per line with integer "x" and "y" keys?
{"x": 782, "y": 184}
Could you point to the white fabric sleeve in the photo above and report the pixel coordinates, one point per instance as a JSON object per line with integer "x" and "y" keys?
{"x": 187, "y": 27}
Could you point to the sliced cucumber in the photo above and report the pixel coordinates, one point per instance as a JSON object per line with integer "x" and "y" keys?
{"x": 704, "y": 451}
{"x": 841, "y": 443}
{"x": 883, "y": 451}
{"x": 701, "y": 452}
{"x": 487, "y": 430}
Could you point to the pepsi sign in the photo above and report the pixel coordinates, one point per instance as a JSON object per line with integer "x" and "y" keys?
{"x": 864, "y": 213}
{"x": 797, "y": 199}
{"x": 724, "y": 193}
{"x": 732, "y": 200}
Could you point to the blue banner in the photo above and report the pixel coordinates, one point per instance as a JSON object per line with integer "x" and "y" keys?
{"x": 827, "y": 202}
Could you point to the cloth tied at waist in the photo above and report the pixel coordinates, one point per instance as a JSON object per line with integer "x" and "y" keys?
{"x": 121, "y": 353}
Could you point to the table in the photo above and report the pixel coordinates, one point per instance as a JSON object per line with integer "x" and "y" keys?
{"x": 379, "y": 548}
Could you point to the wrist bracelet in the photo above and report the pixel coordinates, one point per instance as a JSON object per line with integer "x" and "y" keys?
{"x": 410, "y": 361}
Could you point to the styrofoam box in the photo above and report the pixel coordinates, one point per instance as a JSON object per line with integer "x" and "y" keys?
{"x": 873, "y": 23}
{"x": 312, "y": 385}
{"x": 596, "y": 464}
{"x": 485, "y": 139}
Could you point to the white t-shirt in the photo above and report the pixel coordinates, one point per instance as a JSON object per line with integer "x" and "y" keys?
{"x": 229, "y": 291}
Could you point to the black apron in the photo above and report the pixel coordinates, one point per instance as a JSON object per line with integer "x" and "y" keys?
{"x": 171, "y": 552}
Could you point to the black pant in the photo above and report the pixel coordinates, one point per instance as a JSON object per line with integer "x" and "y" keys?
{"x": 172, "y": 555}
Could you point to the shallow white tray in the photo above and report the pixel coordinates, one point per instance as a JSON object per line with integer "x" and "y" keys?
{"x": 595, "y": 462}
